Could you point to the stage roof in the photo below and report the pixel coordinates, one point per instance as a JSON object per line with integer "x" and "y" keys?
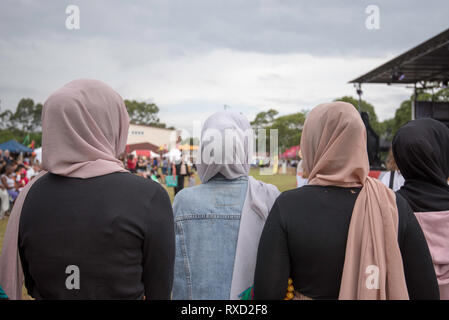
{"x": 428, "y": 61}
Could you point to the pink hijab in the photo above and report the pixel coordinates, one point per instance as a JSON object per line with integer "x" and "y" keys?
{"x": 84, "y": 130}
{"x": 333, "y": 145}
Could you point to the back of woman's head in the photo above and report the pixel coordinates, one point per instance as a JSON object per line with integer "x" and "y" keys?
{"x": 333, "y": 145}
{"x": 226, "y": 146}
{"x": 84, "y": 126}
{"x": 421, "y": 151}
{"x": 391, "y": 163}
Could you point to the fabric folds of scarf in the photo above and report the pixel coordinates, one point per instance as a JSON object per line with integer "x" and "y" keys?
{"x": 333, "y": 145}
{"x": 435, "y": 226}
{"x": 231, "y": 158}
{"x": 84, "y": 129}
{"x": 259, "y": 199}
{"x": 11, "y": 274}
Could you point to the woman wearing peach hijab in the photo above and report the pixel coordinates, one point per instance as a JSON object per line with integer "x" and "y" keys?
{"x": 85, "y": 228}
{"x": 344, "y": 235}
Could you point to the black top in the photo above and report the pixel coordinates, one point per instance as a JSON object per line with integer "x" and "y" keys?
{"x": 178, "y": 169}
{"x": 117, "y": 229}
{"x": 305, "y": 238}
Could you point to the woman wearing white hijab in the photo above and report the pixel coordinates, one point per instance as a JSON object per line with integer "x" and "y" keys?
{"x": 218, "y": 223}
{"x": 82, "y": 229}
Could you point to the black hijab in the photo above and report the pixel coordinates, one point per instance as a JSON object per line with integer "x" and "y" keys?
{"x": 421, "y": 151}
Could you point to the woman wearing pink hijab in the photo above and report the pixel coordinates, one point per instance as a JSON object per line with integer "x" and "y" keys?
{"x": 86, "y": 228}
{"x": 344, "y": 235}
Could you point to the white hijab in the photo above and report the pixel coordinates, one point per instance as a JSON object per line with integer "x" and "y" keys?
{"x": 233, "y": 161}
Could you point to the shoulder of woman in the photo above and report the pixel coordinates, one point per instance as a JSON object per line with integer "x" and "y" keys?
{"x": 405, "y": 212}
{"x": 261, "y": 186}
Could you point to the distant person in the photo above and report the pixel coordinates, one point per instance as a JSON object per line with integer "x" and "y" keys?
{"x": 344, "y": 235}
{"x": 85, "y": 228}
{"x": 301, "y": 175}
{"x": 7, "y": 157}
{"x": 181, "y": 171}
{"x": 421, "y": 150}
{"x": 141, "y": 164}
{"x": 9, "y": 182}
{"x": 393, "y": 178}
{"x": 218, "y": 223}
{"x": 32, "y": 171}
{"x": 21, "y": 177}
{"x": 165, "y": 166}
{"x": 4, "y": 201}
{"x": 131, "y": 163}
{"x": 192, "y": 180}
{"x": 155, "y": 162}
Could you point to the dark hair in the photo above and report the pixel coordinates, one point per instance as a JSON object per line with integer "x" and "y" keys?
{"x": 391, "y": 163}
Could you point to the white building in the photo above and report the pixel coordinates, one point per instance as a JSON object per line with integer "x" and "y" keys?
{"x": 141, "y": 135}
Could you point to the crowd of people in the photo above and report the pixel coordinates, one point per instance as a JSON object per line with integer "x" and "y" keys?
{"x": 179, "y": 168}
{"x": 15, "y": 173}
{"x": 341, "y": 235}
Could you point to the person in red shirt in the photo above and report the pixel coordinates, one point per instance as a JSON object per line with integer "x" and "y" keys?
{"x": 131, "y": 163}
{"x": 21, "y": 177}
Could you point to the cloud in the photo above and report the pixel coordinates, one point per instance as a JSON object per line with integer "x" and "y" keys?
{"x": 192, "y": 58}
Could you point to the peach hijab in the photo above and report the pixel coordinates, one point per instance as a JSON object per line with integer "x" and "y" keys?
{"x": 84, "y": 130}
{"x": 333, "y": 145}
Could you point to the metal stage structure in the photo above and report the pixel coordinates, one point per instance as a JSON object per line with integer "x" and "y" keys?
{"x": 425, "y": 66}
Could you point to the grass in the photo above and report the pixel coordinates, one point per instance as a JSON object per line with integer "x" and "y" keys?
{"x": 282, "y": 181}
{"x": 2, "y": 231}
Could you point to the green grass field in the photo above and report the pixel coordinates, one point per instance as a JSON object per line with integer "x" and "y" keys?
{"x": 282, "y": 181}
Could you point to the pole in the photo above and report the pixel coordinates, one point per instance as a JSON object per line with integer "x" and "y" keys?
{"x": 359, "y": 93}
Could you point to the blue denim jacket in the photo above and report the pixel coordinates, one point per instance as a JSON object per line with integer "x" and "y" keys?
{"x": 207, "y": 220}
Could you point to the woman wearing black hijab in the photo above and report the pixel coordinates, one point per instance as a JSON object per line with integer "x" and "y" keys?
{"x": 421, "y": 150}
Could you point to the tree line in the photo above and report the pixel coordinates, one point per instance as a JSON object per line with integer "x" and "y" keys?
{"x": 24, "y": 123}
{"x": 290, "y": 126}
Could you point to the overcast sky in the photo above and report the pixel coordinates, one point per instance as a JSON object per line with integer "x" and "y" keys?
{"x": 192, "y": 57}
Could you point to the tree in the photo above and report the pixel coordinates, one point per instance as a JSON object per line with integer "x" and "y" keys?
{"x": 143, "y": 113}
{"x": 191, "y": 141}
{"x": 367, "y": 107}
{"x": 403, "y": 114}
{"x": 27, "y": 117}
{"x": 289, "y": 130}
{"x": 289, "y": 127}
{"x": 5, "y": 119}
{"x": 442, "y": 95}
{"x": 264, "y": 119}
{"x": 24, "y": 121}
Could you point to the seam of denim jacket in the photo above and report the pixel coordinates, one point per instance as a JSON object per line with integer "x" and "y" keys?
{"x": 186, "y": 261}
{"x": 208, "y": 216}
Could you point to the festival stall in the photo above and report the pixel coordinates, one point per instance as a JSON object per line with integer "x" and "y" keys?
{"x": 14, "y": 147}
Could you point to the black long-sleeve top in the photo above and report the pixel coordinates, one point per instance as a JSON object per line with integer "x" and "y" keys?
{"x": 117, "y": 229}
{"x": 305, "y": 238}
